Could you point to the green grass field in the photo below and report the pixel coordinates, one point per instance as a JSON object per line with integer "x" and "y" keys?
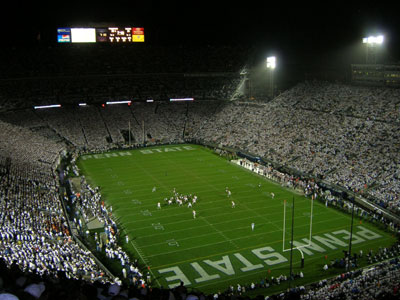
{"x": 218, "y": 248}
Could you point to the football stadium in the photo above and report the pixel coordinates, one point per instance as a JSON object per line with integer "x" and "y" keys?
{"x": 134, "y": 169}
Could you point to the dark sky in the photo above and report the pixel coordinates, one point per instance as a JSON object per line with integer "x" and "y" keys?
{"x": 309, "y": 28}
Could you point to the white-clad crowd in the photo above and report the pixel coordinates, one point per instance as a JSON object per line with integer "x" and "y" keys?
{"x": 346, "y": 135}
{"x": 379, "y": 282}
{"x": 34, "y": 229}
{"x": 87, "y": 204}
{"x": 324, "y": 130}
{"x": 35, "y": 232}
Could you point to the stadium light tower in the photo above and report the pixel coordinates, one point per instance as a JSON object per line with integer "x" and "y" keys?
{"x": 271, "y": 65}
{"x": 372, "y": 43}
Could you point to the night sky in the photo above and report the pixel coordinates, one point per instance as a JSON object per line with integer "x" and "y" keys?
{"x": 304, "y": 30}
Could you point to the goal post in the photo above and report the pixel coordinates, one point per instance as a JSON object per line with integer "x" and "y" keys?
{"x": 284, "y": 231}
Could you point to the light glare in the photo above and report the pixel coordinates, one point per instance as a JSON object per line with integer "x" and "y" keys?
{"x": 374, "y": 40}
{"x": 181, "y": 99}
{"x": 271, "y": 62}
{"x": 47, "y": 106}
{"x": 118, "y": 102}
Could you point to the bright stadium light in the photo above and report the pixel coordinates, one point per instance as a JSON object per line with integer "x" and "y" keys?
{"x": 374, "y": 40}
{"x": 271, "y": 65}
{"x": 118, "y": 102}
{"x": 372, "y": 44}
{"x": 271, "y": 62}
{"x": 181, "y": 99}
{"x": 47, "y": 106}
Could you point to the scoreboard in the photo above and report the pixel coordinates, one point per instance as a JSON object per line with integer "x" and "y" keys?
{"x": 100, "y": 35}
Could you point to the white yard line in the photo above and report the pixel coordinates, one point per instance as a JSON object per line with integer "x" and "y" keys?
{"x": 216, "y": 243}
{"x": 220, "y": 233}
{"x": 143, "y": 258}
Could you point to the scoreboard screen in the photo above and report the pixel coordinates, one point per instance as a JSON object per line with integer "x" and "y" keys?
{"x": 83, "y": 35}
{"x": 100, "y": 35}
{"x": 117, "y": 34}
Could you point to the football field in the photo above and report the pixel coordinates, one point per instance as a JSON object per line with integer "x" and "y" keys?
{"x": 217, "y": 247}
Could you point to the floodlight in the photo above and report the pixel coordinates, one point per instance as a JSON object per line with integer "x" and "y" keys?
{"x": 379, "y": 39}
{"x": 372, "y": 45}
{"x": 374, "y": 40}
{"x": 47, "y": 106}
{"x": 118, "y": 102}
{"x": 271, "y": 62}
{"x": 181, "y": 99}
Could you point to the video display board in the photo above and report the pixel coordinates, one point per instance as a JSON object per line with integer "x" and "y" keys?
{"x": 100, "y": 35}
{"x": 64, "y": 35}
{"x": 137, "y": 34}
{"x": 119, "y": 35}
{"x": 83, "y": 35}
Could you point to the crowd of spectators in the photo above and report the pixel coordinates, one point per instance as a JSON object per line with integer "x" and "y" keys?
{"x": 320, "y": 129}
{"x": 35, "y": 233}
{"x": 82, "y": 73}
{"x": 341, "y": 134}
{"x": 86, "y": 59}
{"x": 310, "y": 188}
{"x": 310, "y": 129}
{"x": 84, "y": 205}
{"x": 22, "y": 145}
{"x": 378, "y": 282}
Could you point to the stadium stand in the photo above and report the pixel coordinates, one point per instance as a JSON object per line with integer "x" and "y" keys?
{"x": 344, "y": 135}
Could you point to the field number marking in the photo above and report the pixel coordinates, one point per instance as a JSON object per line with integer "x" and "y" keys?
{"x": 172, "y": 243}
{"x": 146, "y": 212}
{"x": 157, "y": 226}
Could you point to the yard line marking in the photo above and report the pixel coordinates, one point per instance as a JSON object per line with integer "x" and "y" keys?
{"x": 201, "y": 235}
{"x": 143, "y": 257}
{"x": 238, "y": 228}
{"x": 212, "y": 185}
{"x": 241, "y": 249}
{"x": 203, "y": 210}
{"x": 258, "y": 214}
{"x": 238, "y": 238}
{"x": 220, "y": 232}
{"x": 182, "y": 221}
{"x": 220, "y": 200}
{"x": 177, "y": 182}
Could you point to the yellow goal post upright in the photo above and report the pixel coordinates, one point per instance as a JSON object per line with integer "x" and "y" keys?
{"x": 291, "y": 241}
